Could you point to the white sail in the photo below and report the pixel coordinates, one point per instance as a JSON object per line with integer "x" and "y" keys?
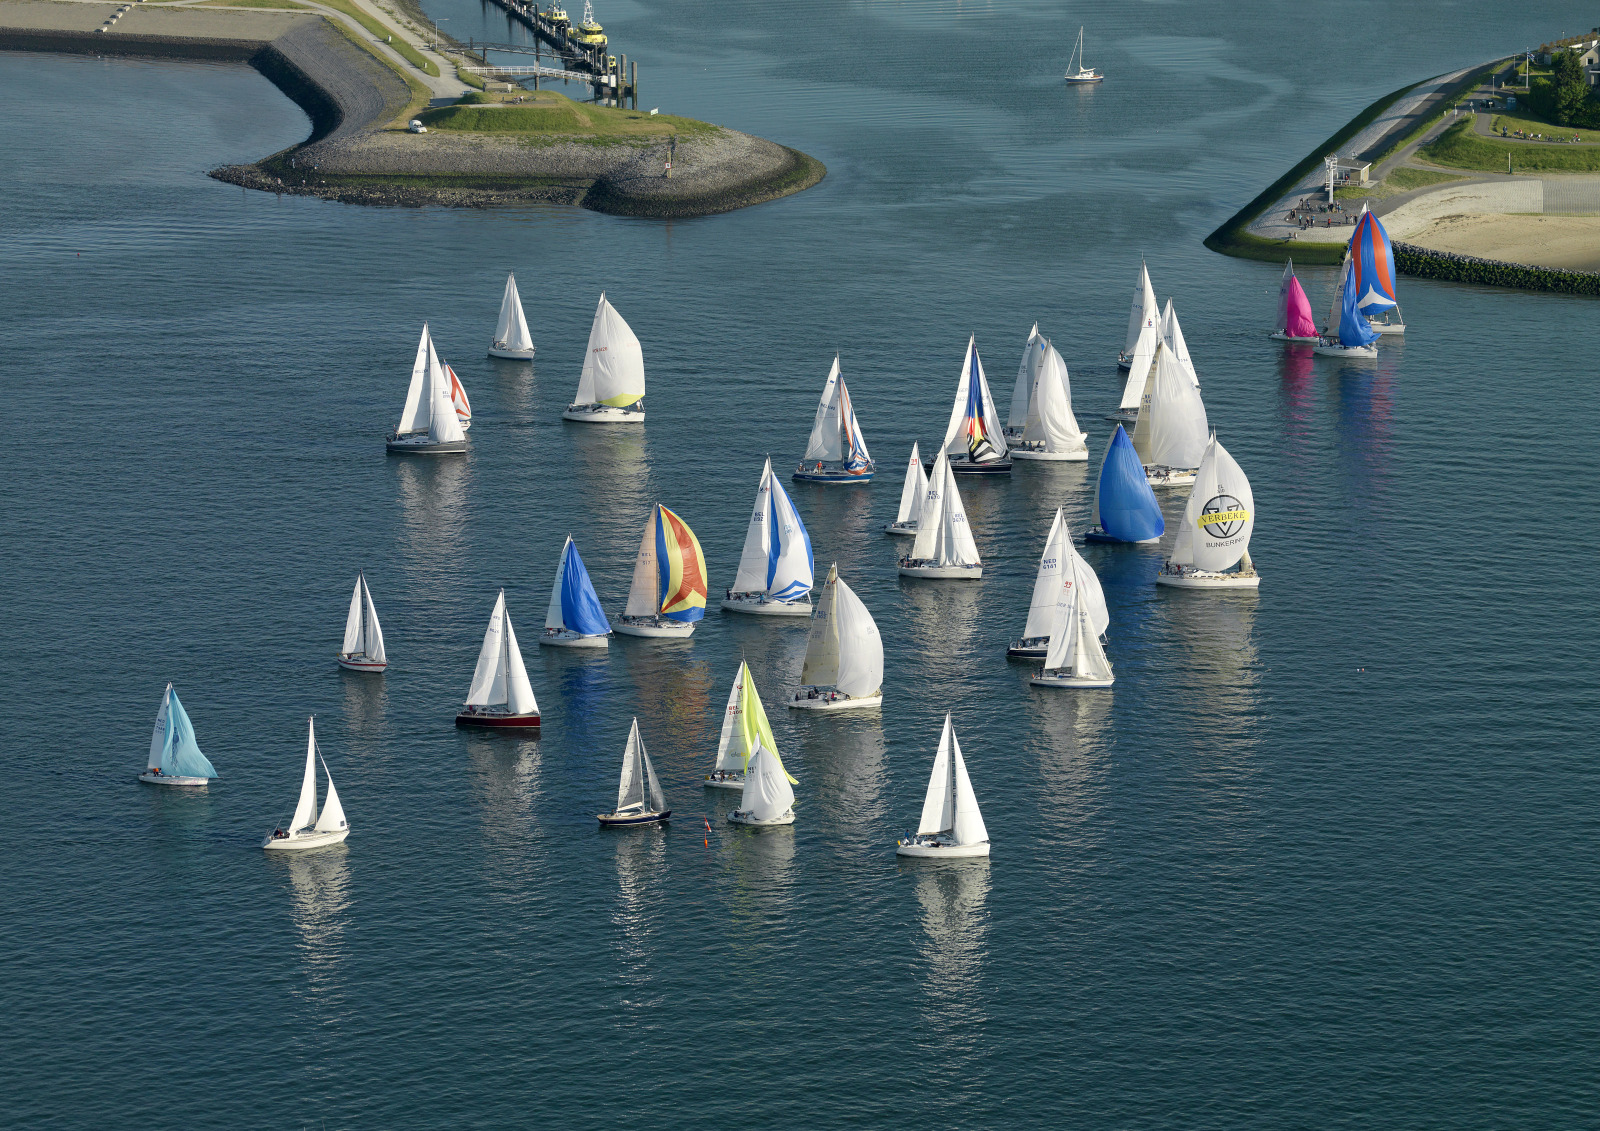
{"x": 1074, "y": 645}
{"x": 305, "y": 811}
{"x": 1027, "y": 374}
{"x": 653, "y": 794}
{"x": 1144, "y": 307}
{"x": 752, "y": 576}
{"x": 1090, "y": 593}
{"x": 955, "y": 436}
{"x": 821, "y": 667}
{"x": 373, "y": 641}
{"x": 1220, "y": 515}
{"x": 942, "y": 532}
{"x": 1140, "y": 434}
{"x": 331, "y": 819}
{"x": 353, "y": 621}
{"x": 730, "y": 745}
{"x": 939, "y": 805}
{"x": 1172, "y": 334}
{"x": 443, "y": 424}
{"x": 631, "y": 786}
{"x": 1336, "y": 311}
{"x": 488, "y": 678}
{"x": 643, "y": 599}
{"x": 860, "y": 646}
{"x": 553, "y": 617}
{"x": 414, "y": 417}
{"x": 158, "y": 737}
{"x": 1283, "y": 295}
{"x": 767, "y": 793}
{"x": 1052, "y": 563}
{"x": 825, "y": 431}
{"x": 968, "y": 825}
{"x": 792, "y": 574}
{"x": 511, "y": 331}
{"x": 518, "y": 691}
{"x": 613, "y": 366}
{"x": 1049, "y": 414}
{"x": 1139, "y": 369}
{"x": 914, "y": 490}
{"x": 1178, "y": 430}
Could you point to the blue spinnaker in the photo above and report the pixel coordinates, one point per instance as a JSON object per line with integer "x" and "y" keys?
{"x": 181, "y": 755}
{"x": 1354, "y": 329}
{"x": 580, "y": 608}
{"x": 1128, "y": 508}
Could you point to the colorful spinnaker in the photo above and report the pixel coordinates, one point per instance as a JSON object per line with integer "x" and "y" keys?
{"x": 975, "y": 431}
{"x": 669, "y": 575}
{"x": 1125, "y": 506}
{"x": 1372, "y": 264}
{"x": 1294, "y": 309}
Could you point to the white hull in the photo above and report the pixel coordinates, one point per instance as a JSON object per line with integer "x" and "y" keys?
{"x": 1124, "y": 416}
{"x": 172, "y": 779}
{"x": 1054, "y": 457}
{"x": 568, "y": 639}
{"x": 305, "y": 841}
{"x": 361, "y": 664}
{"x": 1280, "y": 336}
{"x": 1043, "y": 680}
{"x": 511, "y": 355}
{"x": 666, "y": 630}
{"x": 422, "y": 446}
{"x": 942, "y": 572}
{"x": 843, "y": 703}
{"x": 767, "y": 607}
{"x": 1169, "y": 477}
{"x": 1206, "y": 579}
{"x": 901, "y": 529}
{"x": 739, "y": 818}
{"x": 603, "y": 414}
{"x": 724, "y": 783}
{"x": 1387, "y": 327}
{"x": 1345, "y": 351}
{"x": 942, "y": 851}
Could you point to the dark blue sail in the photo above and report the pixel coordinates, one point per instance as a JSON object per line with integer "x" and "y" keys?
{"x": 1126, "y": 504}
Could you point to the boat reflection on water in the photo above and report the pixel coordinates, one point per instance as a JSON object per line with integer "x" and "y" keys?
{"x": 1040, "y": 486}
{"x": 943, "y": 617}
{"x": 760, "y": 865}
{"x": 845, "y": 777}
{"x": 433, "y": 513}
{"x": 674, "y": 694}
{"x": 1072, "y": 738}
{"x": 1365, "y": 421}
{"x": 610, "y": 462}
{"x": 366, "y": 704}
{"x": 579, "y": 680}
{"x": 504, "y": 770}
{"x": 1222, "y": 675}
{"x": 1296, "y": 380}
{"x": 839, "y": 520}
{"x": 954, "y": 951}
{"x": 518, "y": 389}
{"x": 641, "y": 860}
{"x": 319, "y": 885}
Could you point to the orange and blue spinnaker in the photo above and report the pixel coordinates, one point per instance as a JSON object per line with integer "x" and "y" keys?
{"x": 1372, "y": 261}
{"x": 682, "y": 577}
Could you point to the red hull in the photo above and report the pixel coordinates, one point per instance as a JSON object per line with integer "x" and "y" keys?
{"x": 499, "y": 722}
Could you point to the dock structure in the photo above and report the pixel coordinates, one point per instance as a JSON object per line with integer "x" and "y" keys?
{"x": 610, "y": 75}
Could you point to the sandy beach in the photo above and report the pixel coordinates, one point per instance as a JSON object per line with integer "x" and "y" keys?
{"x": 1571, "y": 242}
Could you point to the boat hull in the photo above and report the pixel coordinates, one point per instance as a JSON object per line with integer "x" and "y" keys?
{"x": 831, "y": 475}
{"x": 965, "y": 467}
{"x": 1169, "y": 477}
{"x": 1124, "y": 361}
{"x": 421, "y": 446}
{"x": 1069, "y": 681}
{"x": 172, "y": 779}
{"x": 1095, "y": 534}
{"x": 1345, "y": 351}
{"x": 1028, "y": 648}
{"x": 737, "y": 817}
{"x": 942, "y": 572}
{"x": 1124, "y": 416}
{"x": 1206, "y": 579}
{"x": 497, "y": 722}
{"x": 362, "y": 664}
{"x": 724, "y": 783}
{"x": 843, "y": 703}
{"x": 1078, "y": 80}
{"x": 1053, "y": 457}
{"x": 618, "y": 820}
{"x": 511, "y": 355}
{"x": 602, "y": 414}
{"x": 942, "y": 851}
{"x": 662, "y": 630}
{"x": 767, "y": 607}
{"x": 566, "y": 639}
{"x": 901, "y": 530}
{"x": 305, "y": 842}
{"x": 1280, "y": 336}
{"x": 1387, "y": 327}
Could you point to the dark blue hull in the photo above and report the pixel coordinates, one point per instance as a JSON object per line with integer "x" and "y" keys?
{"x": 640, "y": 819}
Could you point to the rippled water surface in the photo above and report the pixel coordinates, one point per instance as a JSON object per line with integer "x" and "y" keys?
{"x": 1324, "y": 856}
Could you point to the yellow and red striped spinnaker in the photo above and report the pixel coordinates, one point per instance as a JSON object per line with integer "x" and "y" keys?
{"x": 682, "y": 566}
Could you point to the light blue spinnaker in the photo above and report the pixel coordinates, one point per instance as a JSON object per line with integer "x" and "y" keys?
{"x": 580, "y": 608}
{"x": 1125, "y": 506}
{"x": 174, "y": 750}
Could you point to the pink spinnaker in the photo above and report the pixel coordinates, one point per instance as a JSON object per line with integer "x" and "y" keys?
{"x": 1297, "y": 310}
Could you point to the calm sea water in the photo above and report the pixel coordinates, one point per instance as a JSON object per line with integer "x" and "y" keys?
{"x": 1325, "y": 856}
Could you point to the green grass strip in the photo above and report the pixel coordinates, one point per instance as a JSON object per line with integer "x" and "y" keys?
{"x": 385, "y": 32}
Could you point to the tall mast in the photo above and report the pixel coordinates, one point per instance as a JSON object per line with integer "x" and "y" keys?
{"x": 366, "y": 603}
{"x": 505, "y": 651}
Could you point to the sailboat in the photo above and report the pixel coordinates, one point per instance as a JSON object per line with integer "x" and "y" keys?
{"x": 1027, "y": 374}
{"x": 575, "y": 618}
{"x": 1050, "y": 431}
{"x": 744, "y": 729}
{"x": 1077, "y": 73}
{"x": 1372, "y": 263}
{"x": 362, "y": 650}
{"x": 175, "y": 757}
{"x": 1172, "y": 338}
{"x": 611, "y": 387}
{"x": 511, "y": 337}
{"x": 428, "y": 423}
{"x": 1170, "y": 436}
{"x": 844, "y": 655}
{"x": 1295, "y": 323}
{"x": 1144, "y": 316}
{"x": 1125, "y": 508}
{"x": 975, "y": 440}
{"x": 639, "y": 797}
{"x": 668, "y": 593}
{"x": 775, "y": 569}
{"x": 1355, "y": 334}
{"x": 837, "y": 452}
{"x": 1075, "y": 658}
{"x": 500, "y": 696}
{"x": 767, "y": 797}
{"x": 951, "y": 824}
{"x": 1217, "y": 523}
{"x": 912, "y": 493}
{"x": 308, "y": 828}
{"x": 944, "y": 547}
{"x": 1060, "y": 557}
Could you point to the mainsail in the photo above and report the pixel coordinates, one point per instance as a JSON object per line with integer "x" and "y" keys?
{"x": 637, "y": 785}
{"x": 500, "y": 678}
{"x": 1220, "y": 515}
{"x": 1074, "y": 643}
{"x": 511, "y": 332}
{"x": 950, "y": 805}
{"x": 1049, "y": 418}
{"x": 914, "y": 490}
{"x": 362, "y": 633}
{"x": 943, "y": 535}
{"x": 1172, "y": 426}
{"x": 1172, "y": 335}
{"x": 1059, "y": 561}
{"x": 1027, "y": 374}
{"x": 414, "y": 417}
{"x": 1144, "y": 312}
{"x": 613, "y": 366}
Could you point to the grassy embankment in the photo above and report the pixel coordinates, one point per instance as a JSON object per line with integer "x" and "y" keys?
{"x": 548, "y": 117}
{"x": 1529, "y": 122}
{"x": 1460, "y": 148}
{"x": 383, "y": 31}
{"x": 1401, "y": 179}
{"x": 249, "y": 4}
